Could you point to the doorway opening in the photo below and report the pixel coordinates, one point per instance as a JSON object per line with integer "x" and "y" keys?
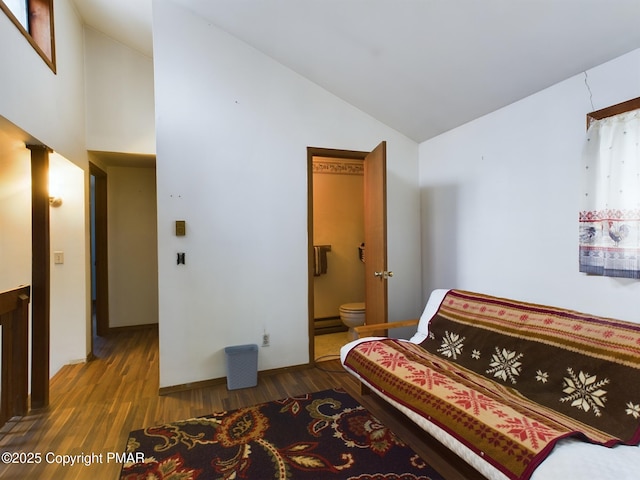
{"x": 338, "y": 241}
{"x": 351, "y": 185}
{"x": 124, "y": 259}
{"x": 99, "y": 259}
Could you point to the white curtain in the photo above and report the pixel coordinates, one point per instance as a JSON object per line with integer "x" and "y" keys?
{"x": 610, "y": 206}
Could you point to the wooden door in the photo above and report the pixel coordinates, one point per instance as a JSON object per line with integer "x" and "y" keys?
{"x": 375, "y": 235}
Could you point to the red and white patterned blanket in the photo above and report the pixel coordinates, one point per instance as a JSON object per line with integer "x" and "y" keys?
{"x": 509, "y": 379}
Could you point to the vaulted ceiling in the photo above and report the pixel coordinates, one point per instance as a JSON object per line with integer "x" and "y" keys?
{"x": 420, "y": 66}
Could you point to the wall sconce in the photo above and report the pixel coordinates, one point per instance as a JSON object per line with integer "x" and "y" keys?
{"x": 55, "y": 187}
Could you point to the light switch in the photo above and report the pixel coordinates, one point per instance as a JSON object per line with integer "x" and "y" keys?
{"x": 58, "y": 258}
{"x": 181, "y": 228}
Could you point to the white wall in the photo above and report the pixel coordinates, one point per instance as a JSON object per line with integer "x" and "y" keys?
{"x": 133, "y": 246}
{"x": 15, "y": 213}
{"x": 232, "y": 131}
{"x": 119, "y": 96}
{"x": 50, "y": 108}
{"x": 67, "y": 235}
{"x": 500, "y": 198}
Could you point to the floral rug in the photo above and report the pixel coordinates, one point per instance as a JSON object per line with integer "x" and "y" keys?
{"x": 322, "y": 435}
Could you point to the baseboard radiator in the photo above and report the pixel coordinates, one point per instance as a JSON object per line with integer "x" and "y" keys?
{"x": 322, "y": 326}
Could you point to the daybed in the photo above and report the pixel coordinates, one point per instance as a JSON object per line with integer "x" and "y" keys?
{"x": 517, "y": 390}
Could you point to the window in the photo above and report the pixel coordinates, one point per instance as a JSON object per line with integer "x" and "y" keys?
{"x": 610, "y": 206}
{"x": 34, "y": 18}
{"x": 19, "y": 10}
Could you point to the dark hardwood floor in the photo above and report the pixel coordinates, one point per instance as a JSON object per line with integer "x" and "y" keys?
{"x": 95, "y": 405}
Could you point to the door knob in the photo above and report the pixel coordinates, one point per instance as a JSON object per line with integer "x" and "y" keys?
{"x": 383, "y": 274}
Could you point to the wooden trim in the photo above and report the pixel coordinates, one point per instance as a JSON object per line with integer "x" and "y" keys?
{"x": 14, "y": 318}
{"x": 134, "y": 328}
{"x": 310, "y": 257}
{"x": 617, "y": 109}
{"x": 40, "y": 276}
{"x": 221, "y": 380}
{"x": 369, "y": 329}
{"x": 8, "y": 302}
{"x": 102, "y": 256}
{"x": 335, "y": 153}
{"x": 184, "y": 387}
{"x": 21, "y": 352}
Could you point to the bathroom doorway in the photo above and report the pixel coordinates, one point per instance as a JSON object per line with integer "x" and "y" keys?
{"x": 338, "y": 233}
{"x": 341, "y": 217}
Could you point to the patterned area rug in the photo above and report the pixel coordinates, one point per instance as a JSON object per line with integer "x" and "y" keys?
{"x": 322, "y": 435}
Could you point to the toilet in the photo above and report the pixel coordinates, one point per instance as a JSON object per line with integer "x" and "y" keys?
{"x": 352, "y": 315}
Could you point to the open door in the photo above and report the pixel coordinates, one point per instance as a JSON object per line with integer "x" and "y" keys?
{"x": 375, "y": 235}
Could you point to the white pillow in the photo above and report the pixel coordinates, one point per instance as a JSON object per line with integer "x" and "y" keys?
{"x": 433, "y": 304}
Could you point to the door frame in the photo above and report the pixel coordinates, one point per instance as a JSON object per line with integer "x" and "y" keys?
{"x": 319, "y": 152}
{"x": 100, "y": 241}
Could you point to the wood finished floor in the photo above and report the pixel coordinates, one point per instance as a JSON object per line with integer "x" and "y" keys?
{"x": 94, "y": 406}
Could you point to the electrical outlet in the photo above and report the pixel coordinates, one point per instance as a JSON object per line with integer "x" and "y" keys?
{"x": 265, "y": 340}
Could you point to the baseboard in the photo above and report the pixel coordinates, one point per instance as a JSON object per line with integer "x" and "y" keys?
{"x": 131, "y": 328}
{"x": 192, "y": 386}
{"x": 214, "y": 382}
{"x": 77, "y": 361}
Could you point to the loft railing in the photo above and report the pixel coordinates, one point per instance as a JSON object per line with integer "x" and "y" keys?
{"x": 14, "y": 374}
